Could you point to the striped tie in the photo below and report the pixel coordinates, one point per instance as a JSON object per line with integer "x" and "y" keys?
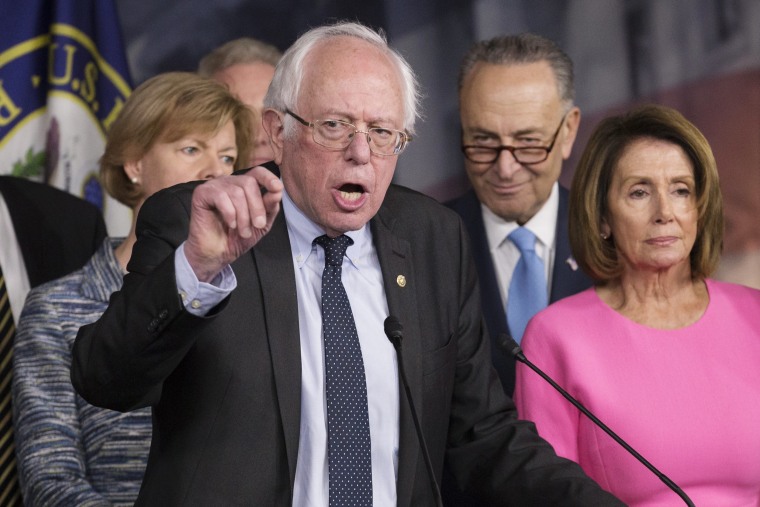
{"x": 10, "y": 492}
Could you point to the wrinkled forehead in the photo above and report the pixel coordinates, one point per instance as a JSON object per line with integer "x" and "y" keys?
{"x": 351, "y": 72}
{"x": 344, "y": 57}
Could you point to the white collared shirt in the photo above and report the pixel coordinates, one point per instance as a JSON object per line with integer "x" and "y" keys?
{"x": 505, "y": 254}
{"x": 12, "y": 263}
{"x": 363, "y": 281}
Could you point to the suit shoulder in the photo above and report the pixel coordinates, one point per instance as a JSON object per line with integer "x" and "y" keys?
{"x": 411, "y": 206}
{"x": 45, "y": 196}
{"x": 180, "y": 194}
{"x": 467, "y": 202}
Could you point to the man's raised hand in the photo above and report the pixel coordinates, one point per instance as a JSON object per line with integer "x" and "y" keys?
{"x": 229, "y": 215}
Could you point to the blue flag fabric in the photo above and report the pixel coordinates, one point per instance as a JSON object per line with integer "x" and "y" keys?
{"x": 63, "y": 80}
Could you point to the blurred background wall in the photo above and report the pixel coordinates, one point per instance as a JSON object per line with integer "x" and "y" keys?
{"x": 700, "y": 56}
{"x": 64, "y": 77}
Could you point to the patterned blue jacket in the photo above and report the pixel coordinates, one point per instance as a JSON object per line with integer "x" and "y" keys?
{"x": 68, "y": 451}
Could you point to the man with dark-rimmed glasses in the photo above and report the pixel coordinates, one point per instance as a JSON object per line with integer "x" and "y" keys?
{"x": 253, "y": 322}
{"x": 518, "y": 125}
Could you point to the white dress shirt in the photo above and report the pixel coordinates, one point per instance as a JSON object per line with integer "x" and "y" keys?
{"x": 505, "y": 254}
{"x": 362, "y": 279}
{"x": 12, "y": 262}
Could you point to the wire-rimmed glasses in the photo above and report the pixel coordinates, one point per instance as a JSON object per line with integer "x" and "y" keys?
{"x": 338, "y": 134}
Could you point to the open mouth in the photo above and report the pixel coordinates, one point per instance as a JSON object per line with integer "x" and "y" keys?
{"x": 351, "y": 191}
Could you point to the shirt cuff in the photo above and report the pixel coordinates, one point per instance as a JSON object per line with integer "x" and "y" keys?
{"x": 199, "y": 297}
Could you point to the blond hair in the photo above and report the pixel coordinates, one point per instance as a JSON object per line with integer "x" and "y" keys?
{"x": 166, "y": 108}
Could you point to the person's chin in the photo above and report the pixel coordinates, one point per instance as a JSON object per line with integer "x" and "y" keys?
{"x": 342, "y": 220}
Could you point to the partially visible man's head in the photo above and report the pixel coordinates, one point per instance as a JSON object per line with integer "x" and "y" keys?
{"x": 288, "y": 77}
{"x": 246, "y": 66}
{"x": 345, "y": 73}
{"x": 516, "y": 92}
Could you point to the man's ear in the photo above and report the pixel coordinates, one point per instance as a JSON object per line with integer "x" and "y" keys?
{"x": 273, "y": 122}
{"x": 572, "y": 122}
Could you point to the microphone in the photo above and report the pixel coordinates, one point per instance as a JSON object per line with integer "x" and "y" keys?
{"x": 394, "y": 332}
{"x": 508, "y": 344}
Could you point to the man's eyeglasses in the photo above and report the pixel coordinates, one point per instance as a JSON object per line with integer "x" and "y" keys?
{"x": 338, "y": 134}
{"x": 523, "y": 154}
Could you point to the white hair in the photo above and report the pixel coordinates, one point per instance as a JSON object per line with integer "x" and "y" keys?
{"x": 286, "y": 83}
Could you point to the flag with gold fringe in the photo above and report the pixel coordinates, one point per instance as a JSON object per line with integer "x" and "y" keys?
{"x": 63, "y": 80}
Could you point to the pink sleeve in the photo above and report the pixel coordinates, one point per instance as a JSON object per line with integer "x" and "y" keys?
{"x": 556, "y": 419}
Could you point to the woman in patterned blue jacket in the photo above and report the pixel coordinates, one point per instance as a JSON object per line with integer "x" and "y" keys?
{"x": 176, "y": 127}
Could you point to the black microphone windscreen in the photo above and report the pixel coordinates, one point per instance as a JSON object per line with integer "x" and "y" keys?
{"x": 510, "y": 346}
{"x": 393, "y": 330}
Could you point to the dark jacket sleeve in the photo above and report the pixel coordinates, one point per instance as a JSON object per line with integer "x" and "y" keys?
{"x": 57, "y": 232}
{"x": 491, "y": 453}
{"x": 121, "y": 361}
{"x": 468, "y": 420}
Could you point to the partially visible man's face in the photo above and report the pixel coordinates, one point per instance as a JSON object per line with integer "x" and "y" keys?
{"x": 346, "y": 79}
{"x": 249, "y": 83}
{"x": 515, "y": 105}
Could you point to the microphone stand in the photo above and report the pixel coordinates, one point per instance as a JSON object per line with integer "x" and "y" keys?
{"x": 516, "y": 351}
{"x": 393, "y": 330}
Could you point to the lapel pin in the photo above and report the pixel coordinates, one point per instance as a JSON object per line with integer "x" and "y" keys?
{"x": 571, "y": 262}
{"x": 401, "y": 280}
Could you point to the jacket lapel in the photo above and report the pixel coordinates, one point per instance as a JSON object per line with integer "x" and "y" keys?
{"x": 394, "y": 254}
{"x": 567, "y": 277}
{"x": 275, "y": 269}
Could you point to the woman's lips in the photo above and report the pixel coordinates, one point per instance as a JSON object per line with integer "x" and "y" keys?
{"x": 662, "y": 240}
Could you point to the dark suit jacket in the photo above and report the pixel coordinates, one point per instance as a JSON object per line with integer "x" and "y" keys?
{"x": 226, "y": 389}
{"x": 56, "y": 231}
{"x": 566, "y": 281}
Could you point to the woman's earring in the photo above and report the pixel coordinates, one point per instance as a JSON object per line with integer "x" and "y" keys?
{"x": 604, "y": 236}
{"x": 134, "y": 180}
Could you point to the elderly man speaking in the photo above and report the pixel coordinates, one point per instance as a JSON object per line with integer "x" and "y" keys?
{"x": 257, "y": 335}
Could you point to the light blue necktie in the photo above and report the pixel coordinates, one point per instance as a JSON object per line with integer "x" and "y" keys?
{"x": 527, "y": 291}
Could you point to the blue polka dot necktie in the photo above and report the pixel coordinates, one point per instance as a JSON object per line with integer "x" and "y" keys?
{"x": 348, "y": 436}
{"x": 527, "y": 290}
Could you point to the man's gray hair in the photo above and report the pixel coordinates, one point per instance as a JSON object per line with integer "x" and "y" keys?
{"x": 522, "y": 49}
{"x": 286, "y": 84}
{"x": 238, "y": 51}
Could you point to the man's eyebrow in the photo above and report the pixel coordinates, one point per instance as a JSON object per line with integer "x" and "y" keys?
{"x": 478, "y": 130}
{"x": 382, "y": 122}
{"x": 528, "y": 131}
